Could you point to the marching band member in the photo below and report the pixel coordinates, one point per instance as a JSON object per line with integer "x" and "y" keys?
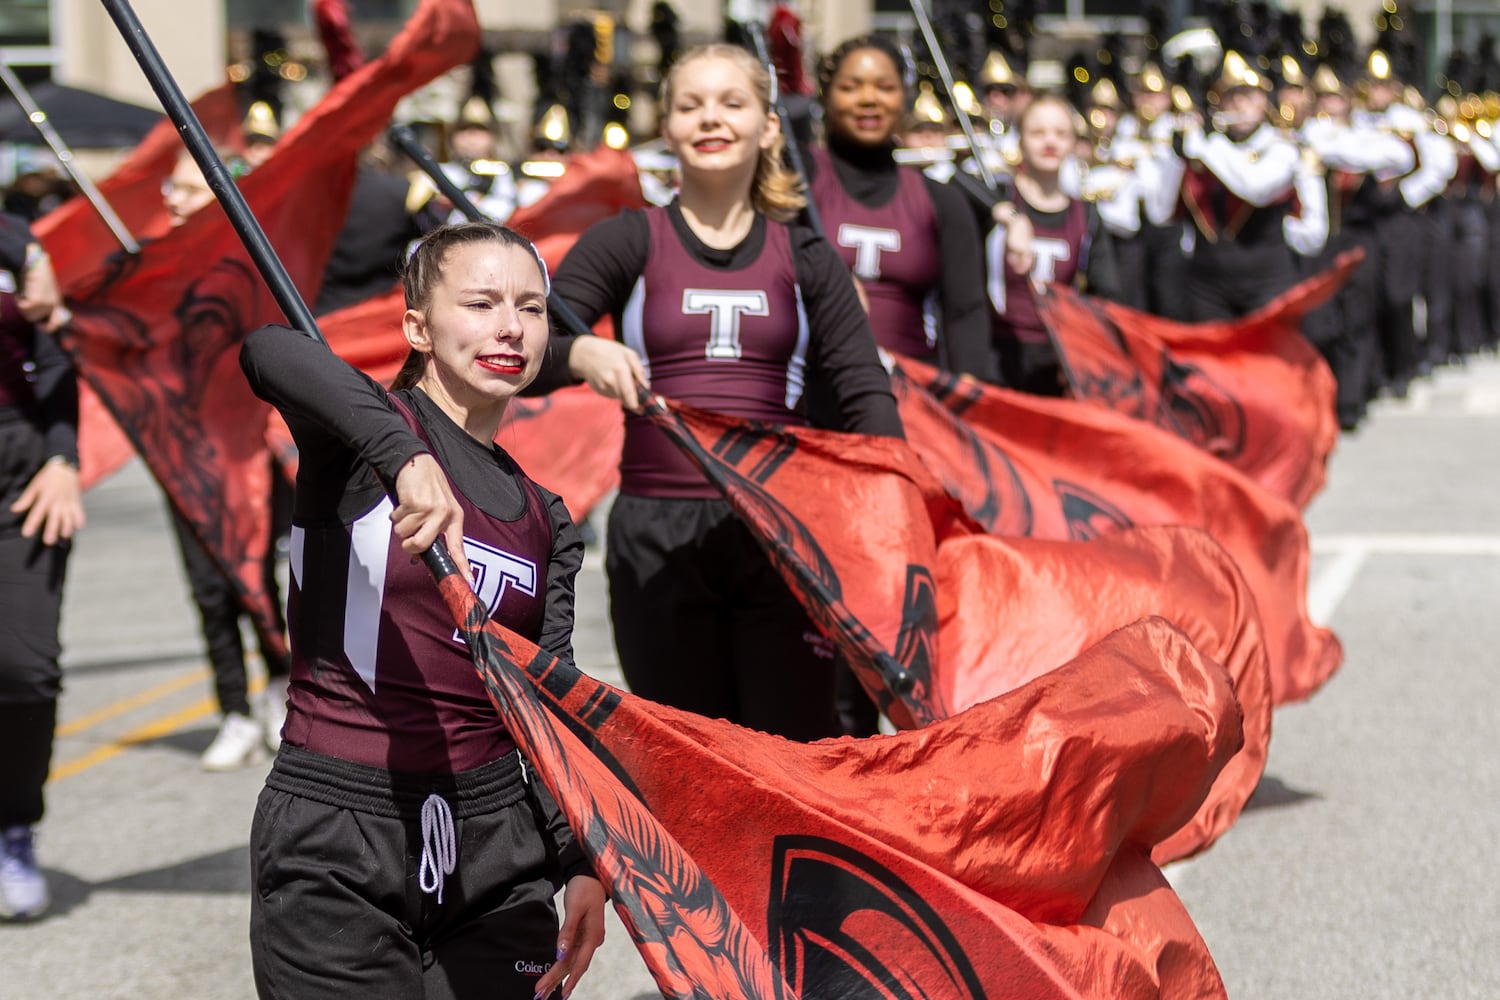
{"x": 1237, "y": 189}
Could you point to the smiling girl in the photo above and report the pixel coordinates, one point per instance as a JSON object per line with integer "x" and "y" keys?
{"x": 395, "y": 773}
{"x": 730, "y": 308}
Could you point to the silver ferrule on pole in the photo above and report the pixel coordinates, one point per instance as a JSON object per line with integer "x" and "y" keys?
{"x": 924, "y": 23}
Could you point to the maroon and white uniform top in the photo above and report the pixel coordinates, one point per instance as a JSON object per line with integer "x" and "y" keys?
{"x": 770, "y": 329}
{"x": 732, "y": 341}
{"x": 1061, "y": 249}
{"x": 380, "y": 675}
{"x": 893, "y": 248}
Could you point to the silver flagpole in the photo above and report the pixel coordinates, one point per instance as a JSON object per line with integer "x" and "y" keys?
{"x": 38, "y": 117}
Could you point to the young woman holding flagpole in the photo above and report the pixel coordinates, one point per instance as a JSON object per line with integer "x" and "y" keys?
{"x": 399, "y": 848}
{"x": 723, "y": 303}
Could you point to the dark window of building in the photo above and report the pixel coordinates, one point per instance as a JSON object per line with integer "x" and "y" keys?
{"x": 279, "y": 13}
{"x": 25, "y": 23}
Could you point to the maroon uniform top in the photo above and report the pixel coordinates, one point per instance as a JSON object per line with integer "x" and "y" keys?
{"x": 894, "y": 250}
{"x": 389, "y": 681}
{"x": 379, "y": 676}
{"x": 1061, "y": 247}
{"x": 733, "y": 341}
{"x": 742, "y": 330}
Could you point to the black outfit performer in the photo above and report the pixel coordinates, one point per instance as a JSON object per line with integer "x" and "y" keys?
{"x": 391, "y": 740}
{"x": 38, "y": 425}
{"x": 701, "y": 619}
{"x": 914, "y": 244}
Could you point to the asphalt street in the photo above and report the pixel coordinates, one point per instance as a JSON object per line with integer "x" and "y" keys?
{"x": 1364, "y": 866}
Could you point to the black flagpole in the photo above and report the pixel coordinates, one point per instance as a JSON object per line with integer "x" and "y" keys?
{"x": 274, "y": 273}
{"x": 404, "y": 139}
{"x": 919, "y": 11}
{"x": 64, "y": 155}
{"x": 757, "y": 33}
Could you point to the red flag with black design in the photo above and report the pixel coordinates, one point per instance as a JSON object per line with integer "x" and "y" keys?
{"x": 157, "y": 335}
{"x": 943, "y": 862}
{"x": 79, "y": 243}
{"x": 908, "y": 585}
{"x": 1252, "y": 391}
{"x": 1057, "y": 468}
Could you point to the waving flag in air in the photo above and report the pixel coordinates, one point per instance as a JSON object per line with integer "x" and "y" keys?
{"x": 941, "y": 862}
{"x": 79, "y": 243}
{"x": 894, "y": 571}
{"x": 1252, "y": 391}
{"x": 157, "y": 335}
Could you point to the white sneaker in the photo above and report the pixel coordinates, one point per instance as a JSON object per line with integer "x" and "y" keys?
{"x": 241, "y": 742}
{"x": 276, "y": 694}
{"x": 23, "y": 889}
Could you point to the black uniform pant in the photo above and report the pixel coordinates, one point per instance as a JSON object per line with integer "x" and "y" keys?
{"x": 219, "y": 609}
{"x": 1468, "y": 241}
{"x": 703, "y": 621}
{"x": 1343, "y": 328}
{"x": 1490, "y": 335}
{"x": 1151, "y": 266}
{"x": 1402, "y": 235}
{"x": 336, "y": 906}
{"x": 1227, "y": 280}
{"x": 31, "y": 582}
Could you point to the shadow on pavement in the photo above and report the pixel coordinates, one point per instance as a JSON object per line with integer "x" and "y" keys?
{"x": 1273, "y": 793}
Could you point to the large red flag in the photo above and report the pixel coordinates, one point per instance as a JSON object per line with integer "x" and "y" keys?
{"x": 79, "y": 242}
{"x": 1057, "y": 468}
{"x": 1252, "y": 391}
{"x": 157, "y": 335}
{"x": 897, "y": 575}
{"x": 1001, "y": 853}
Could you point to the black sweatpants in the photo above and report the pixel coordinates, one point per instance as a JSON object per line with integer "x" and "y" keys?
{"x": 337, "y": 910}
{"x": 219, "y": 607}
{"x": 703, "y": 621}
{"x": 31, "y": 582}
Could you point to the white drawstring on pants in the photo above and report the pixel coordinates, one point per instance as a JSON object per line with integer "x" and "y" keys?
{"x": 439, "y": 848}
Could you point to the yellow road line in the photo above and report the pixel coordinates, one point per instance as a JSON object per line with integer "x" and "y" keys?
{"x": 155, "y": 729}
{"x": 130, "y": 704}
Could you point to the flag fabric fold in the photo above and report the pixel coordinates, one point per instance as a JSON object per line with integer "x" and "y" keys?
{"x": 156, "y": 335}
{"x": 999, "y": 853}
{"x": 1252, "y": 391}
{"x": 1058, "y": 469}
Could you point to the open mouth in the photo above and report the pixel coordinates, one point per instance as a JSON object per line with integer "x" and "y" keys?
{"x": 502, "y": 364}
{"x": 711, "y": 145}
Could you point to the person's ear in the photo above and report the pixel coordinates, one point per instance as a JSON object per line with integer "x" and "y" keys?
{"x": 772, "y": 130}
{"x": 414, "y": 326}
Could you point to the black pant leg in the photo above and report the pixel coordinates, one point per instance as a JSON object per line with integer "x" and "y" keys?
{"x": 31, "y": 592}
{"x": 219, "y": 617}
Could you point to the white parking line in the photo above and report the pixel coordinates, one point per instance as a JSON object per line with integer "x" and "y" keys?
{"x": 1408, "y": 544}
{"x": 1350, "y": 553}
